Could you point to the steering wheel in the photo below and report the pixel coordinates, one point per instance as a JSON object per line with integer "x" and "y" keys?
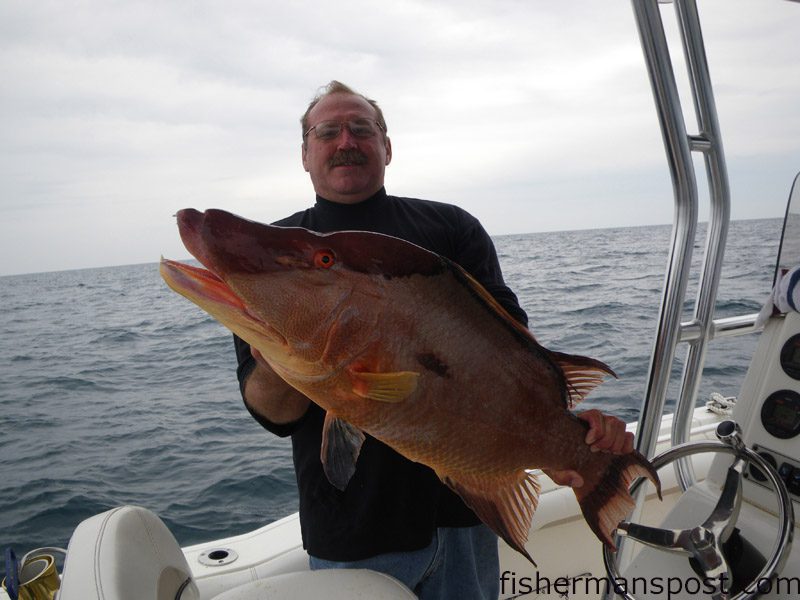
{"x": 704, "y": 542}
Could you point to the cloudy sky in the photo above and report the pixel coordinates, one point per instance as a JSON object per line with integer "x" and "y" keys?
{"x": 534, "y": 115}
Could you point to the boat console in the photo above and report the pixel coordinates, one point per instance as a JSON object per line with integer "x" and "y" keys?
{"x": 770, "y": 416}
{"x": 770, "y": 409}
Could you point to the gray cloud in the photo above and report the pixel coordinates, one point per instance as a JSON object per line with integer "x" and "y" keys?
{"x": 532, "y": 115}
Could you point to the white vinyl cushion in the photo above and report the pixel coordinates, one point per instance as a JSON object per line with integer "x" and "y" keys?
{"x": 330, "y": 584}
{"x": 126, "y": 553}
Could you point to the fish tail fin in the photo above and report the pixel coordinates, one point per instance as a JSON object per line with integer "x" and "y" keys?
{"x": 582, "y": 374}
{"x": 604, "y": 496}
{"x": 506, "y": 506}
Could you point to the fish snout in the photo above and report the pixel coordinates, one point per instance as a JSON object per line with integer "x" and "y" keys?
{"x": 227, "y": 244}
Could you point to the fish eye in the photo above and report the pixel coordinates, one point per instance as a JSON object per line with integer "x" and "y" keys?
{"x": 324, "y": 259}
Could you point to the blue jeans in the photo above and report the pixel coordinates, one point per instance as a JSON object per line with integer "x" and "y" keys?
{"x": 460, "y": 563}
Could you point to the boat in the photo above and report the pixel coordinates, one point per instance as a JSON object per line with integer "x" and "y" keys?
{"x": 730, "y": 472}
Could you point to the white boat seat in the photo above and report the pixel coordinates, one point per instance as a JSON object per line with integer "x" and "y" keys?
{"x": 331, "y": 584}
{"x": 126, "y": 553}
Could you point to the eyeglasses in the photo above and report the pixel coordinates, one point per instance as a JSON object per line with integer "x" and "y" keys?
{"x": 360, "y": 128}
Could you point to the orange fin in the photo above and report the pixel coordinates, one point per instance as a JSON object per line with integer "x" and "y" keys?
{"x": 505, "y": 505}
{"x": 341, "y": 445}
{"x": 604, "y": 496}
{"x": 386, "y": 387}
{"x": 582, "y": 373}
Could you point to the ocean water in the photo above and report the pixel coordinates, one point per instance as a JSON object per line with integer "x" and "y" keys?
{"x": 115, "y": 390}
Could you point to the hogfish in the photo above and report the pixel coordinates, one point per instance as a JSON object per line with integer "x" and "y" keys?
{"x": 401, "y": 343}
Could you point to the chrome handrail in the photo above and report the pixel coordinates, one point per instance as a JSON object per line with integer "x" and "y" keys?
{"x": 676, "y": 142}
{"x": 720, "y": 328}
{"x": 679, "y": 146}
{"x": 717, "y": 177}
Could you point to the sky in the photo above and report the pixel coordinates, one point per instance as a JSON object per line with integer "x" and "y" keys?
{"x": 533, "y": 115}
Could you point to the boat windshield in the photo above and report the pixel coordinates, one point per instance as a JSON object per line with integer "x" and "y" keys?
{"x": 789, "y": 253}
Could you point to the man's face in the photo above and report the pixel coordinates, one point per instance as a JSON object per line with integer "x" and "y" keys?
{"x": 347, "y": 168}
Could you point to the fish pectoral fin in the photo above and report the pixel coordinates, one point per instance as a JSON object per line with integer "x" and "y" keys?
{"x": 341, "y": 445}
{"x": 386, "y": 387}
{"x": 505, "y": 504}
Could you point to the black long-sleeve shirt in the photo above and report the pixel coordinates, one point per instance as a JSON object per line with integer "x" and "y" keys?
{"x": 391, "y": 504}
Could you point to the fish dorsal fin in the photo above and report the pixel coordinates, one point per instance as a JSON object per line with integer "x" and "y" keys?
{"x": 341, "y": 445}
{"x": 476, "y": 288}
{"x": 582, "y": 374}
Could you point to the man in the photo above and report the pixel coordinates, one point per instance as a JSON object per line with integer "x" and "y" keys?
{"x": 394, "y": 516}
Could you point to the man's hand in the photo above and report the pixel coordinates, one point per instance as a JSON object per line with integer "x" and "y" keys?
{"x": 605, "y": 434}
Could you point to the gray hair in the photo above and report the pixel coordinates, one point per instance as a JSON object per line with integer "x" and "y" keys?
{"x": 337, "y": 87}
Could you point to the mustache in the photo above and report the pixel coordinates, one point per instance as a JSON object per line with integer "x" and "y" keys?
{"x": 347, "y": 157}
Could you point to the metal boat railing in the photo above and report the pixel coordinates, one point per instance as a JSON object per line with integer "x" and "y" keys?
{"x": 680, "y": 145}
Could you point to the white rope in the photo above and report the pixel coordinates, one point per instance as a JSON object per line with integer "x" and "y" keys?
{"x": 719, "y": 404}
